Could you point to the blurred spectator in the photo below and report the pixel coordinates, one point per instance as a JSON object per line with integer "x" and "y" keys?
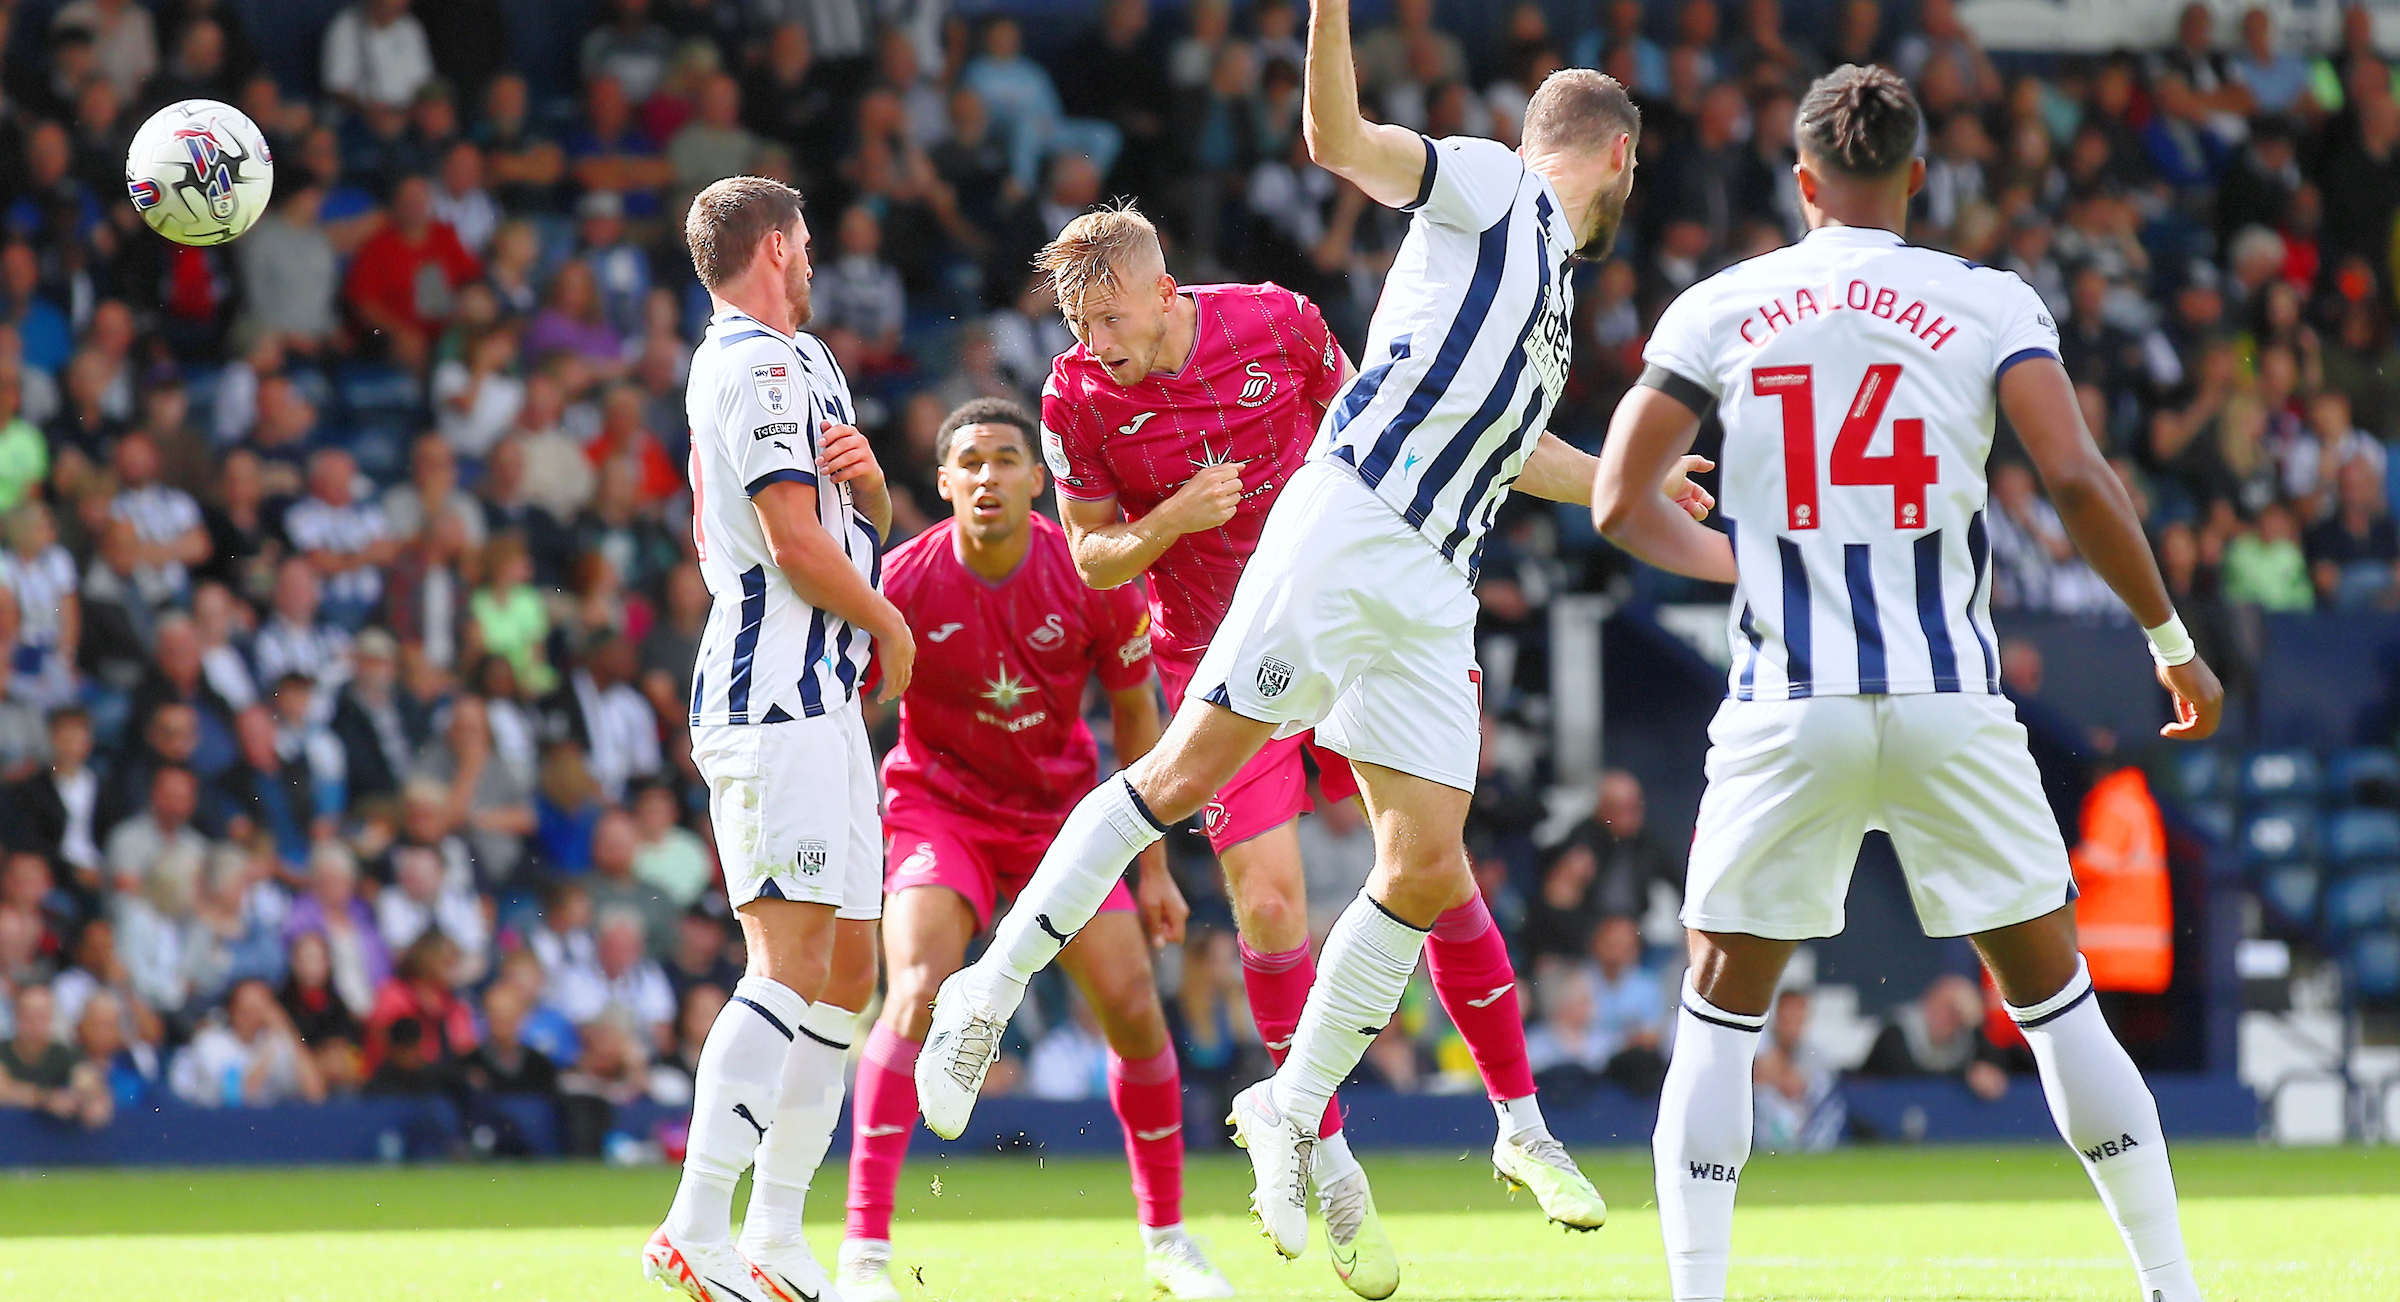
{"x": 2277, "y": 79}
{"x": 251, "y": 1058}
{"x": 162, "y": 828}
{"x": 331, "y": 909}
{"x": 1025, "y": 104}
{"x": 40, "y": 575}
{"x": 128, "y": 1068}
{"x": 124, "y": 40}
{"x": 2355, "y": 556}
{"x": 524, "y": 164}
{"x": 421, "y": 992}
{"x": 40, "y": 1073}
{"x": 700, "y": 958}
{"x": 1602, "y": 1020}
{"x": 1799, "y": 1108}
{"x": 291, "y": 272}
{"x": 504, "y": 1063}
{"x": 629, "y": 48}
{"x": 345, "y": 539}
{"x": 378, "y": 725}
{"x": 714, "y": 143}
{"x": 324, "y": 1020}
{"x": 669, "y": 857}
{"x": 1070, "y": 1061}
{"x": 611, "y": 151}
{"x": 1939, "y": 1034}
{"x": 1337, "y": 852}
{"x": 460, "y": 199}
{"x": 404, "y": 281}
{"x": 2266, "y": 567}
{"x": 166, "y": 522}
{"x": 615, "y": 889}
{"x": 376, "y": 57}
{"x": 617, "y": 974}
{"x": 511, "y": 619}
{"x": 52, "y": 812}
{"x": 857, "y": 301}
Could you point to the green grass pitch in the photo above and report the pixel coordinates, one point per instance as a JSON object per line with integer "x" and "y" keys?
{"x": 1931, "y": 1223}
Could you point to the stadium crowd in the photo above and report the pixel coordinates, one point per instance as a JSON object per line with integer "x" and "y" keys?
{"x": 346, "y": 573}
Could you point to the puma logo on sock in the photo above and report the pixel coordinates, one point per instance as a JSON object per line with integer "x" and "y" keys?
{"x": 742, "y": 1110}
{"x": 1042, "y": 920}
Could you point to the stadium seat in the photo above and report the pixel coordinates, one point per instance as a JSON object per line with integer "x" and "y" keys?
{"x": 2362, "y": 901}
{"x": 365, "y": 388}
{"x": 2283, "y": 834}
{"x": 2375, "y": 966}
{"x": 2279, "y": 775}
{"x": 2365, "y": 775}
{"x": 2199, "y": 772}
{"x": 2357, "y": 835}
{"x": 2289, "y": 892}
{"x": 2214, "y": 817}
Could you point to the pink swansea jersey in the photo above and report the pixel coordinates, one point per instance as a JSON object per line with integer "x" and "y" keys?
{"x": 1262, "y": 371}
{"x": 993, "y": 720}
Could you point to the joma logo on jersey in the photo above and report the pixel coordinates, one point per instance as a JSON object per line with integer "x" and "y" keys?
{"x": 1257, "y": 389}
{"x": 773, "y": 381}
{"x": 2108, "y": 1148}
{"x": 1717, "y": 1172}
{"x": 810, "y": 857}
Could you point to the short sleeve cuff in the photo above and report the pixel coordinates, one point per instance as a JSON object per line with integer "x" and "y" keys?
{"x": 1433, "y": 167}
{"x": 2022, "y": 355}
{"x": 786, "y": 476}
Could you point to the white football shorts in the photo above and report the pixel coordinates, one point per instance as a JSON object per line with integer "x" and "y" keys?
{"x": 794, "y": 806}
{"x": 1349, "y": 622}
{"x": 1794, "y": 785}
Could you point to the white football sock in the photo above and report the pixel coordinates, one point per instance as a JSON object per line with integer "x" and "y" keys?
{"x": 2104, "y": 1109}
{"x": 795, "y": 1144}
{"x": 1335, "y": 1162}
{"x": 1365, "y": 967}
{"x": 1519, "y": 1115}
{"x": 1154, "y": 1235}
{"x": 1085, "y": 861}
{"x": 1702, "y": 1140}
{"x": 733, "y": 1103}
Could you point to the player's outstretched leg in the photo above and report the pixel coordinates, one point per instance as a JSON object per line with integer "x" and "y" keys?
{"x": 1468, "y": 959}
{"x": 739, "y": 1083}
{"x": 1270, "y": 903}
{"x": 811, "y": 1105}
{"x": 2098, "y": 1097}
{"x": 1203, "y": 748}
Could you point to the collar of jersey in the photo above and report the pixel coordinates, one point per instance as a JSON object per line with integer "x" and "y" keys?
{"x": 735, "y": 316}
{"x": 1561, "y": 229}
{"x": 1863, "y": 235}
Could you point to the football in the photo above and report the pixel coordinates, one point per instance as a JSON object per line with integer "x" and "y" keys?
{"x": 199, "y": 172}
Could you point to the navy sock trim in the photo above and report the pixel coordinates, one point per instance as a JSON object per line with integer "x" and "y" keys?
{"x": 1424, "y": 931}
{"x": 2055, "y": 1013}
{"x": 761, "y": 1010}
{"x": 1147, "y": 816}
{"x": 1713, "y": 1020}
{"x": 830, "y": 1044}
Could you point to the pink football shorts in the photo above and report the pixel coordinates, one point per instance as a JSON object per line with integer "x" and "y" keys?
{"x": 929, "y": 841}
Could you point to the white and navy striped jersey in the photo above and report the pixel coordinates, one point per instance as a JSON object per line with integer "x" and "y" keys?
{"x": 1855, "y": 375}
{"x": 1467, "y": 353}
{"x": 755, "y": 399}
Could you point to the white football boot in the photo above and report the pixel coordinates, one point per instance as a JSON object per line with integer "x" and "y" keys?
{"x": 787, "y": 1269}
{"x": 1282, "y": 1152}
{"x": 970, "y": 1014}
{"x": 863, "y": 1271}
{"x": 714, "y": 1272}
{"x": 1179, "y": 1269}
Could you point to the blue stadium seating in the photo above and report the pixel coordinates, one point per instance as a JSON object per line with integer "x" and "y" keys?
{"x": 2279, "y": 775}
{"x": 2200, "y": 772}
{"x": 2289, "y": 892}
{"x": 2285, "y": 833}
{"x": 2363, "y": 775}
{"x": 2214, "y": 817}
{"x": 2355, "y": 836}
{"x": 2375, "y": 966}
{"x": 2363, "y": 901}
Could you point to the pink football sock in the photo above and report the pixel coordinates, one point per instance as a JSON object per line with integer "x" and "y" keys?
{"x": 1278, "y": 987}
{"x": 1148, "y": 1098}
{"x": 882, "y": 1115}
{"x": 1478, "y": 989}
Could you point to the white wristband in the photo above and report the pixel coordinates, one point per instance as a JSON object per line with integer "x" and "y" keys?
{"x": 2170, "y": 643}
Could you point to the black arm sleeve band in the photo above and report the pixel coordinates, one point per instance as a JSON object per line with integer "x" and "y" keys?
{"x": 1687, "y": 392}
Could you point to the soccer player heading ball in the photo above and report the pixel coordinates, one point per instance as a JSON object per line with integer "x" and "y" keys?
{"x": 1354, "y": 615}
{"x": 1855, "y": 376}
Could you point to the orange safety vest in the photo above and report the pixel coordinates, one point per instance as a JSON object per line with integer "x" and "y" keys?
{"x": 2125, "y": 910}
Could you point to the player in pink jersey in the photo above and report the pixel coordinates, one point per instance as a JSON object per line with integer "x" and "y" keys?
{"x": 1171, "y": 428}
{"x": 993, "y": 752}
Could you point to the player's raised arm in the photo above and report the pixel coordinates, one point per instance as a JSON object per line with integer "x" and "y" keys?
{"x": 1385, "y": 161}
{"x": 2098, "y": 514}
{"x": 823, "y": 576}
{"x": 1649, "y": 433}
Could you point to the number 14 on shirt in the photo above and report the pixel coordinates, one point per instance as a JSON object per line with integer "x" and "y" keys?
{"x": 1907, "y": 469}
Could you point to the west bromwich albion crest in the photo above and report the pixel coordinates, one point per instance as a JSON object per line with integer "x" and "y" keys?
{"x": 773, "y": 381}
{"x": 1274, "y": 676}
